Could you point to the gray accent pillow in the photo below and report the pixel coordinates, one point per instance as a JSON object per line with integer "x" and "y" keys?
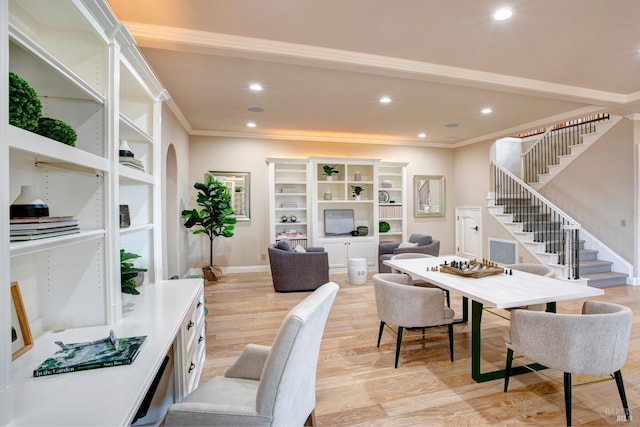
{"x": 284, "y": 245}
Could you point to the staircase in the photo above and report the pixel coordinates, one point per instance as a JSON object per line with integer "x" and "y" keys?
{"x": 547, "y": 233}
{"x": 560, "y": 145}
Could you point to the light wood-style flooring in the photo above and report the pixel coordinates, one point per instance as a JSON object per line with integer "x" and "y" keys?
{"x": 358, "y": 386}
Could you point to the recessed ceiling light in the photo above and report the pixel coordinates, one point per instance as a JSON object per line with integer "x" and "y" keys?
{"x": 251, "y": 124}
{"x": 384, "y": 100}
{"x": 256, "y": 87}
{"x": 502, "y": 14}
{"x": 422, "y": 135}
{"x": 486, "y": 110}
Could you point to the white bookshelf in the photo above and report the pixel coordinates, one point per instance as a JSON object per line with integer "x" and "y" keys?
{"x": 87, "y": 71}
{"x": 298, "y": 187}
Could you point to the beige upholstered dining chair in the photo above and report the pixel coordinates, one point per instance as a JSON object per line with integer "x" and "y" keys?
{"x": 540, "y": 270}
{"x": 406, "y": 306}
{"x": 266, "y": 385}
{"x": 417, "y": 282}
{"x": 592, "y": 343}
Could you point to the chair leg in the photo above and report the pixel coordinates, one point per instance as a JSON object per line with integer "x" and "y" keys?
{"x": 450, "y": 327}
{"x": 380, "y": 333}
{"x": 507, "y": 369}
{"x": 623, "y": 397}
{"x": 311, "y": 419}
{"x": 567, "y": 397}
{"x": 398, "y": 342}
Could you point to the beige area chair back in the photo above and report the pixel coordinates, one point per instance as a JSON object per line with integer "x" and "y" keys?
{"x": 592, "y": 343}
{"x": 405, "y": 306}
{"x": 266, "y": 385}
{"x": 418, "y": 282}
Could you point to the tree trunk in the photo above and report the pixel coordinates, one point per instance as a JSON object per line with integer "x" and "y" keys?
{"x": 211, "y": 251}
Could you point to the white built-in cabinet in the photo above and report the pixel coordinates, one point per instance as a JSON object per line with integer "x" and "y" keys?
{"x": 298, "y": 187}
{"x": 86, "y": 70}
{"x": 289, "y": 201}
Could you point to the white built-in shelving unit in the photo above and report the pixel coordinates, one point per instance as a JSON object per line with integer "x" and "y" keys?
{"x": 392, "y": 200}
{"x": 86, "y": 70}
{"x": 298, "y": 187}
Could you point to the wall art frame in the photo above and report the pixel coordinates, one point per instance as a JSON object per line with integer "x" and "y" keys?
{"x": 21, "y": 338}
{"x": 239, "y": 185}
{"x": 428, "y": 196}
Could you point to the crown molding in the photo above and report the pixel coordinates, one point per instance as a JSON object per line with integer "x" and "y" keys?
{"x": 230, "y": 45}
{"x": 320, "y": 138}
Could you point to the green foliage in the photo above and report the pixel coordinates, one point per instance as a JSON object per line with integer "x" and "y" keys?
{"x": 216, "y": 216}
{"x": 357, "y": 190}
{"x": 128, "y": 273}
{"x": 57, "y": 130}
{"x": 24, "y": 106}
{"x": 329, "y": 170}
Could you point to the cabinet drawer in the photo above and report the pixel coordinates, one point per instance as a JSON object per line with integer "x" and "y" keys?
{"x": 194, "y": 362}
{"x": 194, "y": 320}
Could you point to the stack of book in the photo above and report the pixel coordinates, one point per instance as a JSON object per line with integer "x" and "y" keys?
{"x": 102, "y": 353}
{"x": 32, "y": 228}
{"x": 132, "y": 162}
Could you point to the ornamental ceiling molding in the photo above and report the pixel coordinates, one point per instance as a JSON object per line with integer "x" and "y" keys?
{"x": 225, "y": 44}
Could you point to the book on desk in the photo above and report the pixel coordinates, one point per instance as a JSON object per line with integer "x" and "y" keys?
{"x": 102, "y": 353}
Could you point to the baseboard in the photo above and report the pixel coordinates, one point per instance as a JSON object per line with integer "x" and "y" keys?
{"x": 246, "y": 269}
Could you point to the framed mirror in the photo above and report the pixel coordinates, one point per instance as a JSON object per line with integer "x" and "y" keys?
{"x": 428, "y": 195}
{"x": 239, "y": 185}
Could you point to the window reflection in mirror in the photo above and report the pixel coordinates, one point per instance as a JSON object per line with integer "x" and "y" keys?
{"x": 239, "y": 186}
{"x": 428, "y": 195}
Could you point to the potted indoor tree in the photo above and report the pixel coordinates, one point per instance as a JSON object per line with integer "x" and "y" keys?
{"x": 215, "y": 218}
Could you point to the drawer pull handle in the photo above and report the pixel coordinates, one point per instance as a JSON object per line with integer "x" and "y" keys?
{"x": 199, "y": 304}
{"x": 190, "y": 325}
{"x": 201, "y": 339}
{"x": 192, "y": 367}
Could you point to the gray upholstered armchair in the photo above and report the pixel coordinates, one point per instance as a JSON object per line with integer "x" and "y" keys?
{"x": 406, "y": 306}
{"x": 267, "y": 385}
{"x": 294, "y": 271}
{"x": 592, "y": 343}
{"x": 418, "y": 243}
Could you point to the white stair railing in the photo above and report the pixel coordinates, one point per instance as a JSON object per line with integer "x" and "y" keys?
{"x": 548, "y": 223}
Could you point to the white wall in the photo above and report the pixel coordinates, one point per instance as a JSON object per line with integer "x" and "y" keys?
{"x": 467, "y": 182}
{"x": 249, "y": 244}
{"x": 598, "y": 190}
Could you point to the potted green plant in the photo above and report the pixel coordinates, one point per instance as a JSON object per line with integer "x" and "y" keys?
{"x": 356, "y": 191}
{"x": 24, "y": 105}
{"x": 329, "y": 170}
{"x": 129, "y": 275}
{"x": 56, "y": 130}
{"x": 214, "y": 219}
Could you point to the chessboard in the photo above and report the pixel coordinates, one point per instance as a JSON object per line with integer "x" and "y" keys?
{"x": 471, "y": 269}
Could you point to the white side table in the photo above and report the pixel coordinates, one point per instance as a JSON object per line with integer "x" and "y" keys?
{"x": 357, "y": 270}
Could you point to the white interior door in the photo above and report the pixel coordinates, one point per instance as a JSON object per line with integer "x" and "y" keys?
{"x": 468, "y": 232}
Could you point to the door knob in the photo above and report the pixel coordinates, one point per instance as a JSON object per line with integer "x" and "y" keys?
{"x": 475, "y": 228}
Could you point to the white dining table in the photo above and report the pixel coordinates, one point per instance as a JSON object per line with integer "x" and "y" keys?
{"x": 504, "y": 290}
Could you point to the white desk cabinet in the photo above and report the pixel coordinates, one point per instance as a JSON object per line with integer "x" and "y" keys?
{"x": 111, "y": 396}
